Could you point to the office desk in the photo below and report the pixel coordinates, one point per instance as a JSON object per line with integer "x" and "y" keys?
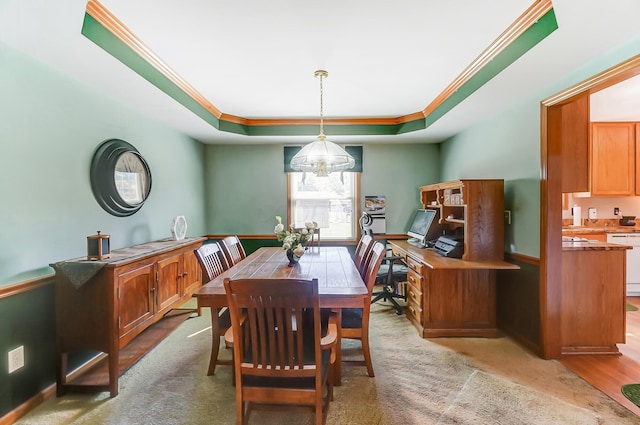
{"x": 339, "y": 283}
{"x": 448, "y": 297}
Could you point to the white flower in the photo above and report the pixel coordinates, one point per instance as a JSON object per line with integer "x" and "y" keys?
{"x": 279, "y": 228}
{"x": 286, "y": 245}
{"x": 310, "y": 225}
{"x": 304, "y": 231}
{"x": 299, "y": 250}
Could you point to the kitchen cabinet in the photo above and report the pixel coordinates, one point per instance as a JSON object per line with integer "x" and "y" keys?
{"x": 613, "y": 159}
{"x": 103, "y": 305}
{"x": 593, "y": 298}
{"x": 570, "y": 122}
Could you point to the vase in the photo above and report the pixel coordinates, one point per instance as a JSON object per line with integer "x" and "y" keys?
{"x": 293, "y": 258}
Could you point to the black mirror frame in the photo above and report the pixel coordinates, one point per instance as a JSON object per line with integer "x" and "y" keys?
{"x": 103, "y": 183}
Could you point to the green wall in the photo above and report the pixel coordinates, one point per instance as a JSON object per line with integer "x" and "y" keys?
{"x": 505, "y": 147}
{"x": 50, "y": 128}
{"x": 508, "y": 147}
{"x": 246, "y": 186}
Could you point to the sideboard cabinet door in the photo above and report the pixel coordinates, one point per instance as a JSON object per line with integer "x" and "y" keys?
{"x": 191, "y": 274}
{"x": 167, "y": 291}
{"x": 135, "y": 288}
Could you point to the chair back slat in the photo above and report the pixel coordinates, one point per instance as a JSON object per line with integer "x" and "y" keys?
{"x": 375, "y": 258}
{"x": 233, "y": 249}
{"x": 211, "y": 259}
{"x": 362, "y": 251}
{"x": 280, "y": 314}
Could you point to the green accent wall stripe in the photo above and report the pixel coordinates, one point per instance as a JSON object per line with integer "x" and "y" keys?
{"x": 525, "y": 42}
{"x": 96, "y": 32}
{"x": 101, "y": 36}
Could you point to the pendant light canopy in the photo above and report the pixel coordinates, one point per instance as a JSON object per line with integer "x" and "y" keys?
{"x": 322, "y": 156}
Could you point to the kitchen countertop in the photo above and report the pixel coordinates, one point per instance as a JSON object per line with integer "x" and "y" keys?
{"x": 592, "y": 246}
{"x": 605, "y": 229}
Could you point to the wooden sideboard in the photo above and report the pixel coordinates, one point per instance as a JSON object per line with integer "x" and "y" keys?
{"x": 457, "y": 296}
{"x": 104, "y": 305}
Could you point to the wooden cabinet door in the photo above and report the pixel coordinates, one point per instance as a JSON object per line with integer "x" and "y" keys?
{"x": 191, "y": 274}
{"x": 637, "y": 132}
{"x": 135, "y": 301}
{"x": 613, "y": 162}
{"x": 570, "y": 122}
{"x": 167, "y": 290}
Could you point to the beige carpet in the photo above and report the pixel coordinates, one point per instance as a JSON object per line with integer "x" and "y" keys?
{"x": 440, "y": 381}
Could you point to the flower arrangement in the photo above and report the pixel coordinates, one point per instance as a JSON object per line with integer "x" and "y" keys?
{"x": 293, "y": 240}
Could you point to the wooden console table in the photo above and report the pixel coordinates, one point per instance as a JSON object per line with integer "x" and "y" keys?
{"x": 104, "y": 305}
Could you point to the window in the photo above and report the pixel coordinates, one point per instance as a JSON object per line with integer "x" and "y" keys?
{"x": 327, "y": 201}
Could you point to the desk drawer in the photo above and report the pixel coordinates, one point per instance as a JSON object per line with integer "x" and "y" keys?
{"x": 414, "y": 279}
{"x": 414, "y": 264}
{"x": 414, "y": 312}
{"x": 414, "y": 294}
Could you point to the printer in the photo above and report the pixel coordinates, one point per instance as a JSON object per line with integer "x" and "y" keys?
{"x": 451, "y": 246}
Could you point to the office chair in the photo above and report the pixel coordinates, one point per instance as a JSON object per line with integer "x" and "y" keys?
{"x": 392, "y": 271}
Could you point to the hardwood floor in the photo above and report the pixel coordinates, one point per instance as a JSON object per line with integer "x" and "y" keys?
{"x": 610, "y": 373}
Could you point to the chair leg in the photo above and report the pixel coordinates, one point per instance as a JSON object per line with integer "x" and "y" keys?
{"x": 397, "y": 306}
{"x": 366, "y": 351}
{"x": 380, "y": 295}
{"x": 389, "y": 294}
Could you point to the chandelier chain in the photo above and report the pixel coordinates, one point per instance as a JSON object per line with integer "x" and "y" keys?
{"x": 321, "y": 109}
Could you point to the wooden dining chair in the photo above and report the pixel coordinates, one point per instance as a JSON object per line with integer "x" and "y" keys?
{"x": 362, "y": 251}
{"x": 233, "y": 249}
{"x": 282, "y": 356}
{"x": 213, "y": 262}
{"x": 355, "y": 321}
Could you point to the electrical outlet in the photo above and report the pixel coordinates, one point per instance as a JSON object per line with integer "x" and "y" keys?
{"x": 507, "y": 216}
{"x": 616, "y": 211}
{"x": 16, "y": 359}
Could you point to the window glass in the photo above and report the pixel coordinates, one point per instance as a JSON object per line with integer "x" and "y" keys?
{"x": 329, "y": 201}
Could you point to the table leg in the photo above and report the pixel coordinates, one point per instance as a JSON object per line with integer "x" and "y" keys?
{"x": 215, "y": 341}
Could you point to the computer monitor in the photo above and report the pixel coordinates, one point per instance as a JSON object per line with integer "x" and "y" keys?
{"x": 419, "y": 229}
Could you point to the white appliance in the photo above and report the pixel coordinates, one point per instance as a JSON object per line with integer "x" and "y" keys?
{"x": 633, "y": 259}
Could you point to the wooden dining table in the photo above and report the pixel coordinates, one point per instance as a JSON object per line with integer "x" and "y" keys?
{"x": 339, "y": 282}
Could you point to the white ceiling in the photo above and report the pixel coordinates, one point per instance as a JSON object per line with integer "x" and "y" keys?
{"x": 617, "y": 103}
{"x": 256, "y": 59}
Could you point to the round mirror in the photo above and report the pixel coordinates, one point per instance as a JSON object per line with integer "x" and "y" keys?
{"x": 120, "y": 178}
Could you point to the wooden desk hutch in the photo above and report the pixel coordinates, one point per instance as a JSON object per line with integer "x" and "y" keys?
{"x": 449, "y": 297}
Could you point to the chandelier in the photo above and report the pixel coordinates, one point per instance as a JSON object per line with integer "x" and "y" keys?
{"x": 322, "y": 156}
